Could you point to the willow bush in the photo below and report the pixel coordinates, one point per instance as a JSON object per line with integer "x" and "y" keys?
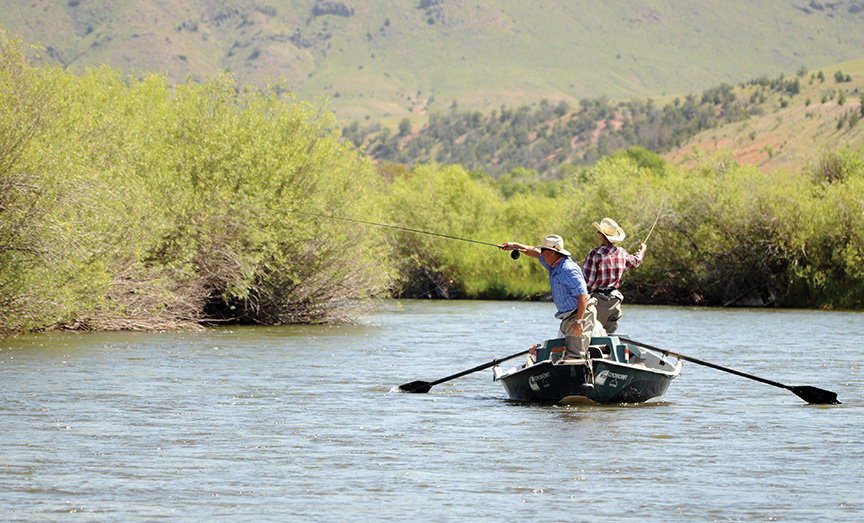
{"x": 635, "y": 193}
{"x": 731, "y": 234}
{"x": 446, "y": 201}
{"x": 151, "y": 206}
{"x": 830, "y": 270}
{"x": 227, "y": 171}
{"x": 725, "y": 233}
{"x": 452, "y": 201}
{"x": 46, "y": 269}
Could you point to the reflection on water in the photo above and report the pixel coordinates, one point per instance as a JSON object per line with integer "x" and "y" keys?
{"x": 295, "y": 423}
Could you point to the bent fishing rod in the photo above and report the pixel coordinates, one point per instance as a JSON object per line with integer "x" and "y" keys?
{"x": 656, "y": 219}
{"x": 513, "y": 254}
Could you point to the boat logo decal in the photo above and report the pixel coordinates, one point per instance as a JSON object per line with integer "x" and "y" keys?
{"x": 532, "y": 381}
{"x": 613, "y": 378}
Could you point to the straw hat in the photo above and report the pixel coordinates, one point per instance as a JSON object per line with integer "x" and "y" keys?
{"x": 610, "y": 230}
{"x": 553, "y": 242}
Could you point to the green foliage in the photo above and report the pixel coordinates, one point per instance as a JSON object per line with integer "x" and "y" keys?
{"x": 450, "y": 200}
{"x": 46, "y": 268}
{"x": 829, "y": 271}
{"x": 525, "y": 181}
{"x": 405, "y": 127}
{"x": 132, "y": 204}
{"x": 645, "y": 159}
{"x": 446, "y": 201}
{"x": 725, "y": 234}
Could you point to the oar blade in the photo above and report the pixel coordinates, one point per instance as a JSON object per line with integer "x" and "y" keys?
{"x": 815, "y": 395}
{"x": 420, "y": 387}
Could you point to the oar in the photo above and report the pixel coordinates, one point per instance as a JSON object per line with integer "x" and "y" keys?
{"x": 807, "y": 393}
{"x": 424, "y": 386}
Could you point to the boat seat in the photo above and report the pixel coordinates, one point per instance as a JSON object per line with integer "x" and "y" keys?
{"x": 550, "y": 349}
{"x": 612, "y": 346}
{"x": 598, "y": 352}
{"x": 569, "y": 360}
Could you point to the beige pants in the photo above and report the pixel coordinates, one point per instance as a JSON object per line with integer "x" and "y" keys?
{"x": 578, "y": 347}
{"x": 608, "y": 310}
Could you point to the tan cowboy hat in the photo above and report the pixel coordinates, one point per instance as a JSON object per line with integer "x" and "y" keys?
{"x": 610, "y": 230}
{"x": 553, "y": 242}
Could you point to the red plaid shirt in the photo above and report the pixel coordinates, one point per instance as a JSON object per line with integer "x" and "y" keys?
{"x": 605, "y": 265}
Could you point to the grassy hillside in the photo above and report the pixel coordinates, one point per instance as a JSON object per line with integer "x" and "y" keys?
{"x": 794, "y": 130}
{"x": 389, "y": 59}
{"x": 784, "y": 121}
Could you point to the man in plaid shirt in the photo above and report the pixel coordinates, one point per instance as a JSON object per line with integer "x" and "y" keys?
{"x": 603, "y": 269}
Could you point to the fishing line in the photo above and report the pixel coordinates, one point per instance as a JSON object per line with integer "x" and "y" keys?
{"x": 513, "y": 254}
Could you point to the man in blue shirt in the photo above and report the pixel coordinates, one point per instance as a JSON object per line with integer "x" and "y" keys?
{"x": 569, "y": 292}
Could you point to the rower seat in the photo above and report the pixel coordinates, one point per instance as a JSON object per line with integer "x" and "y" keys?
{"x": 549, "y": 347}
{"x": 598, "y": 352}
{"x": 610, "y": 347}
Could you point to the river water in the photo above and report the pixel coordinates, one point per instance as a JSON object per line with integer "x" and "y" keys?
{"x": 301, "y": 423}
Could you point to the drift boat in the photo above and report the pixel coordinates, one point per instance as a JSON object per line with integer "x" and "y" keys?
{"x": 616, "y": 371}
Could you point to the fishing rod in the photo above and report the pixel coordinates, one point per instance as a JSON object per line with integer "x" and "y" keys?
{"x": 652, "y": 229}
{"x": 660, "y": 210}
{"x": 513, "y": 254}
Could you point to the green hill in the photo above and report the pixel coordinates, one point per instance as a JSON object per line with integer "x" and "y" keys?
{"x": 386, "y": 59}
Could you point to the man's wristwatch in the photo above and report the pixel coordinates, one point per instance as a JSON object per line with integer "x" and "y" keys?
{"x": 580, "y": 322}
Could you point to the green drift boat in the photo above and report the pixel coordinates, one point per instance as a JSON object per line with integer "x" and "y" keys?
{"x": 616, "y": 371}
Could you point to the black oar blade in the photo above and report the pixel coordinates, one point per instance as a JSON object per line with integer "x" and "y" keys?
{"x": 420, "y": 387}
{"x": 815, "y": 395}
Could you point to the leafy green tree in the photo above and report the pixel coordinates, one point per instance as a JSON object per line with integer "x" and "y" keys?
{"x": 405, "y": 127}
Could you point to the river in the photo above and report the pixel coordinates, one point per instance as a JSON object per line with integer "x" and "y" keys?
{"x": 301, "y": 423}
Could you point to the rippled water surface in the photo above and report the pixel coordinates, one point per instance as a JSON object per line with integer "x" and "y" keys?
{"x": 300, "y": 423}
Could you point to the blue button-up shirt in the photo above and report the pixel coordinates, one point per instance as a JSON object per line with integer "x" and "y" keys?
{"x": 567, "y": 283}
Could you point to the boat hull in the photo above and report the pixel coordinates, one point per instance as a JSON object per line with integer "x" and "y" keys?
{"x": 590, "y": 381}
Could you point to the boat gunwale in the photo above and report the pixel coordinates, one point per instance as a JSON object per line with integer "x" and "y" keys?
{"x": 675, "y": 372}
